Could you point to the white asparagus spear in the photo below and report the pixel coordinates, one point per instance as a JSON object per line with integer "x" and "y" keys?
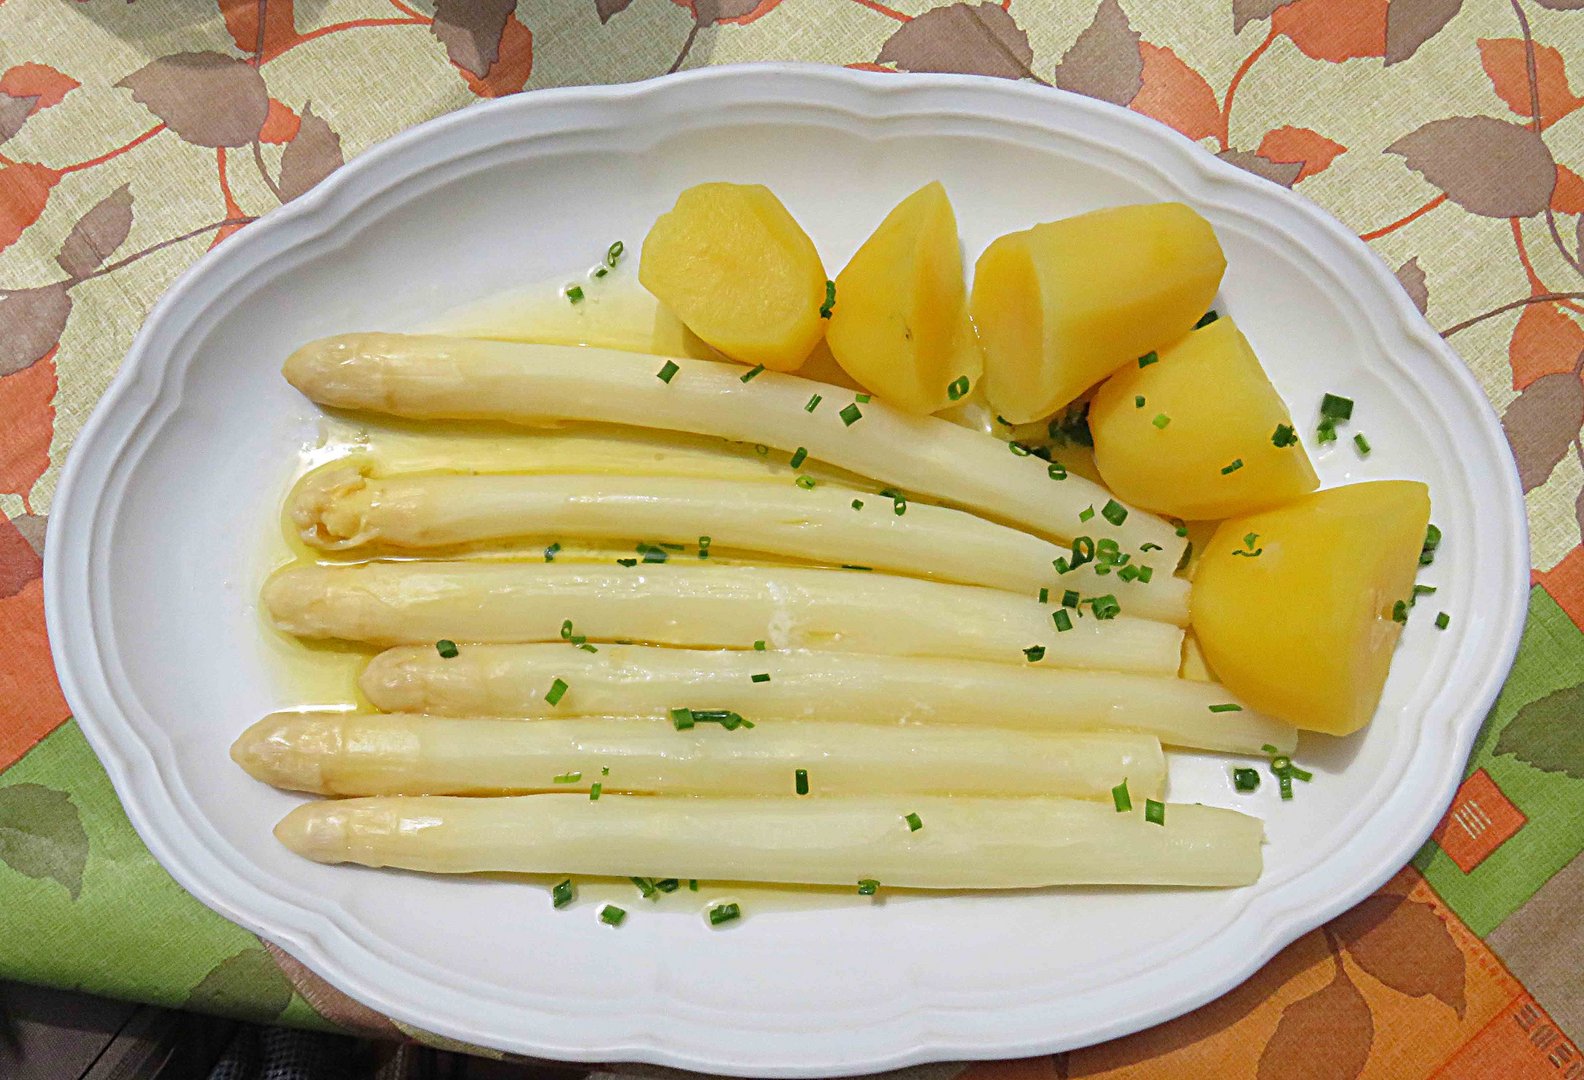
{"x": 338, "y": 753}
{"x": 339, "y": 508}
{"x": 688, "y": 602}
{"x": 636, "y": 680}
{"x": 428, "y": 377}
{"x": 965, "y": 843}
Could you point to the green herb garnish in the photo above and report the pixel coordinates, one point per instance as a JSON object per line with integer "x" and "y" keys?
{"x": 1114, "y": 512}
{"x": 914, "y": 822}
{"x": 813, "y": 403}
{"x": 574, "y": 294}
{"x": 562, "y": 894}
{"x": 800, "y": 781}
{"x": 1034, "y": 653}
{"x": 569, "y": 778}
{"x": 1284, "y": 436}
{"x": 557, "y": 691}
{"x": 1149, "y": 358}
{"x": 1154, "y": 812}
{"x": 667, "y": 371}
{"x": 611, "y": 915}
{"x": 724, "y": 913}
{"x": 799, "y": 456}
{"x": 1121, "y": 798}
{"x": 446, "y": 648}
{"x": 753, "y": 373}
{"x": 1246, "y": 779}
{"x": 1443, "y": 620}
{"x": 830, "y": 300}
{"x": 1161, "y": 420}
{"x": 1206, "y": 319}
{"x": 1229, "y": 706}
{"x": 1062, "y": 620}
{"x": 957, "y": 389}
{"x": 1237, "y": 463}
{"x": 868, "y": 886}
{"x": 850, "y": 415}
{"x": 1363, "y": 445}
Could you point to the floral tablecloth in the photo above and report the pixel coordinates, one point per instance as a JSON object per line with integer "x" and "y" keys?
{"x": 135, "y": 134}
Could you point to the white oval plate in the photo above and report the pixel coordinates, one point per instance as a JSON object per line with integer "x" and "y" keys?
{"x": 151, "y": 595}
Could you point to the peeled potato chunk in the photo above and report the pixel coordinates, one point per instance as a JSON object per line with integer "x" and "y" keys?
{"x": 739, "y": 272}
{"x": 1191, "y": 434}
{"x": 1294, "y": 607}
{"x": 900, "y": 325}
{"x": 1062, "y": 305}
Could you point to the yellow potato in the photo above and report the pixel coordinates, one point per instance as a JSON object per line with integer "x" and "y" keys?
{"x": 1062, "y": 305}
{"x": 1206, "y": 405}
{"x": 1294, "y": 607}
{"x": 900, "y": 326}
{"x": 739, "y": 272}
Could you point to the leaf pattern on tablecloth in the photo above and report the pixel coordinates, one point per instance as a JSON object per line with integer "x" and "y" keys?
{"x": 1548, "y": 733}
{"x": 1542, "y": 423}
{"x": 1325, "y": 1036}
{"x": 247, "y": 985}
{"x": 1411, "y": 23}
{"x": 1105, "y": 61}
{"x": 326, "y": 1000}
{"x": 961, "y": 39}
{"x": 313, "y": 154}
{"x": 34, "y": 319}
{"x": 1312, "y": 151}
{"x": 95, "y": 238}
{"x": 46, "y": 86}
{"x": 1402, "y": 943}
{"x": 42, "y": 836}
{"x": 1545, "y": 341}
{"x": 207, "y": 98}
{"x": 1411, "y": 276}
{"x": 1489, "y": 167}
{"x": 1507, "y": 65}
{"x": 279, "y": 24}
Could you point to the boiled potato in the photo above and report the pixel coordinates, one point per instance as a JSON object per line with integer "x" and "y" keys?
{"x": 1166, "y": 434}
{"x": 900, "y": 326}
{"x": 739, "y": 272}
{"x": 1296, "y": 607}
{"x": 1062, "y": 305}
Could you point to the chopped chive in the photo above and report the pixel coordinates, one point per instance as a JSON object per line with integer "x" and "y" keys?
{"x": 1086, "y": 513}
{"x": 611, "y": 915}
{"x": 1149, "y": 358}
{"x": 569, "y": 778}
{"x": 1228, "y": 706}
{"x": 1400, "y": 611}
{"x": 1249, "y": 539}
{"x": 1044, "y": 595}
{"x": 1326, "y": 432}
{"x": 830, "y": 300}
{"x": 626, "y": 562}
{"x": 1161, "y": 420}
{"x": 653, "y": 553}
{"x": 898, "y": 500}
{"x": 862, "y": 399}
{"x": 807, "y": 483}
{"x": 763, "y": 676}
{"x": 1062, "y": 620}
{"x": 753, "y": 373}
{"x": 1035, "y": 653}
{"x": 1333, "y": 407}
{"x": 1246, "y": 779}
{"x": 1284, "y": 436}
{"x": 667, "y": 371}
{"x": 813, "y": 403}
{"x": 668, "y": 885}
{"x": 1069, "y": 598}
{"x": 1206, "y": 319}
{"x": 558, "y": 690}
{"x": 693, "y": 884}
{"x": 857, "y": 504}
{"x": 574, "y": 293}
{"x": 1121, "y": 798}
{"x": 1187, "y": 557}
{"x": 1145, "y": 573}
{"x": 645, "y": 886}
{"x": 855, "y": 566}
{"x": 566, "y": 629}
{"x": 1237, "y": 463}
{"x": 868, "y": 886}
{"x": 1019, "y": 449}
{"x": 1128, "y": 573}
{"x": 850, "y": 415}
{"x": 682, "y": 718}
{"x": 724, "y": 913}
{"x": 1443, "y": 620}
{"x": 1138, "y": 401}
{"x": 550, "y": 552}
{"x": 1105, "y": 607}
{"x": 1422, "y": 590}
{"x": 672, "y": 547}
{"x": 1432, "y": 541}
{"x": 759, "y": 646}
{"x": 761, "y": 449}
{"x": 957, "y": 389}
{"x": 1147, "y": 546}
{"x": 799, "y": 456}
{"x": 446, "y": 648}
{"x": 800, "y": 781}
{"x": 1083, "y": 548}
{"x": 601, "y": 271}
{"x": 1362, "y": 443}
{"x": 613, "y": 253}
{"x": 914, "y": 822}
{"x": 1182, "y": 530}
{"x": 595, "y": 789}
{"x": 562, "y": 894}
{"x": 1154, "y": 812}
{"x": 1056, "y": 471}
{"x": 1114, "y": 512}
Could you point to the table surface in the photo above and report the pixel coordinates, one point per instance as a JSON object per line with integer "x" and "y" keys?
{"x": 1430, "y": 127}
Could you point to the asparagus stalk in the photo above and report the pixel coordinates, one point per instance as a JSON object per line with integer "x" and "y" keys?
{"x": 427, "y": 377}
{"x": 962, "y": 842}
{"x": 630, "y": 680}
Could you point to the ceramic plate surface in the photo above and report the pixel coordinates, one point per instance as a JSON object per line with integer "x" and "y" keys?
{"x": 152, "y": 576}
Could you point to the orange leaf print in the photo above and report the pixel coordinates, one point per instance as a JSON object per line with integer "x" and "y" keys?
{"x": 280, "y": 124}
{"x": 242, "y": 20}
{"x": 1544, "y": 342}
{"x": 1568, "y": 195}
{"x": 24, "y": 188}
{"x": 27, "y": 423}
{"x": 37, "y": 80}
{"x": 1176, "y": 94}
{"x": 1325, "y": 1036}
{"x": 1334, "y": 30}
{"x": 31, "y": 705}
{"x": 512, "y": 66}
{"x": 1508, "y": 68}
{"x": 1295, "y": 144}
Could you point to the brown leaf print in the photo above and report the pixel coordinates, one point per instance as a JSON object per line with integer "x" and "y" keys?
{"x": 1411, "y": 23}
{"x": 1284, "y": 173}
{"x": 314, "y": 154}
{"x": 509, "y": 73}
{"x": 1411, "y": 276}
{"x": 1325, "y": 1036}
{"x": 1405, "y": 945}
{"x": 1487, "y": 166}
{"x": 1105, "y": 61}
{"x": 34, "y": 319}
{"x": 204, "y": 97}
{"x": 606, "y": 8}
{"x": 1562, "y": 5}
{"x": 471, "y": 31}
{"x": 32, "y": 527}
{"x": 14, "y": 112}
{"x": 710, "y": 12}
{"x": 97, "y": 234}
{"x": 1247, "y": 11}
{"x": 1542, "y": 423}
{"x": 961, "y": 39}
{"x": 329, "y": 1002}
